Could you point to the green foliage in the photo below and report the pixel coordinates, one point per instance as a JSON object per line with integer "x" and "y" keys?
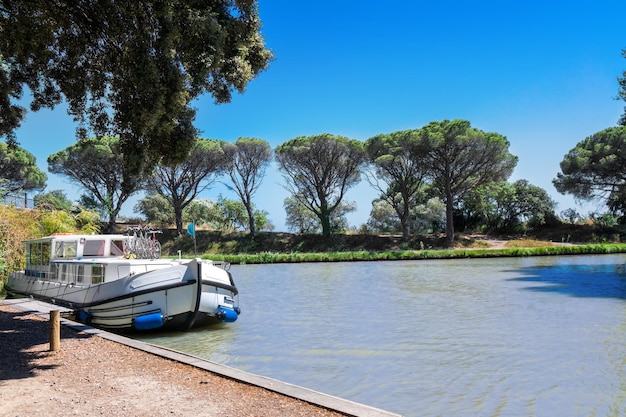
{"x": 460, "y": 158}
{"x": 225, "y": 214}
{"x": 269, "y": 257}
{"x": 18, "y": 170}
{"x": 398, "y": 172}
{"x": 606, "y": 221}
{"x": 320, "y": 170}
{"x": 18, "y": 225}
{"x": 383, "y": 218}
{"x": 156, "y": 209}
{"x": 595, "y": 169}
{"x": 233, "y": 213}
{"x": 180, "y": 183}
{"x": 97, "y": 165}
{"x": 570, "y": 215}
{"x": 507, "y": 207}
{"x": 303, "y": 220}
{"x": 133, "y": 69}
{"x": 85, "y": 222}
{"x": 204, "y": 211}
{"x": 246, "y": 161}
{"x": 429, "y": 216}
{"x": 234, "y": 216}
{"x": 53, "y": 200}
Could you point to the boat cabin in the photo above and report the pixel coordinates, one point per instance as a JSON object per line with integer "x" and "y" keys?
{"x": 63, "y": 257}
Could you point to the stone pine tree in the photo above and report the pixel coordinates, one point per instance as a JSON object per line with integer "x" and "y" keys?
{"x": 245, "y": 163}
{"x": 97, "y": 165}
{"x": 320, "y": 170}
{"x": 595, "y": 169}
{"x": 398, "y": 172}
{"x": 460, "y": 158}
{"x": 180, "y": 183}
{"x": 19, "y": 171}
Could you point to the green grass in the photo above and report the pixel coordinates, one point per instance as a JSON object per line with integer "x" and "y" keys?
{"x": 296, "y": 257}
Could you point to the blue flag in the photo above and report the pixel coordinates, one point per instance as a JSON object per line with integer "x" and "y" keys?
{"x": 191, "y": 230}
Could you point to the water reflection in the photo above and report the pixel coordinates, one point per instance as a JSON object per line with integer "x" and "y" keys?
{"x": 487, "y": 337}
{"x": 608, "y": 280}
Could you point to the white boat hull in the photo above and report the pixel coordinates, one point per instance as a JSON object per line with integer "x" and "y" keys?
{"x": 176, "y": 294}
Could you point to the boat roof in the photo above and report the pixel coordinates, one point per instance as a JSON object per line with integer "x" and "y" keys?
{"x": 73, "y": 236}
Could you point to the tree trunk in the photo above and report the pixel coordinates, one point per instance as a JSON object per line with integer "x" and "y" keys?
{"x": 406, "y": 231}
{"x": 325, "y": 224}
{"x": 113, "y": 212}
{"x": 110, "y": 228}
{"x": 178, "y": 213}
{"x": 325, "y": 218}
{"x": 404, "y": 218}
{"x": 251, "y": 219}
{"x": 449, "y": 219}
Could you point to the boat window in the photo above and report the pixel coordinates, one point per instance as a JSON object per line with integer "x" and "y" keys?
{"x": 80, "y": 273}
{"x": 94, "y": 248}
{"x": 34, "y": 254}
{"x": 54, "y": 272}
{"x": 65, "y": 250}
{"x": 45, "y": 253}
{"x": 117, "y": 247}
{"x": 38, "y": 253}
{"x": 97, "y": 274}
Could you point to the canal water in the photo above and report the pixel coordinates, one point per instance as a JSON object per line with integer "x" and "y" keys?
{"x": 534, "y": 336}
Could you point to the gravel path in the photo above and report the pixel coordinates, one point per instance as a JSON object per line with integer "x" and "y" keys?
{"x": 91, "y": 376}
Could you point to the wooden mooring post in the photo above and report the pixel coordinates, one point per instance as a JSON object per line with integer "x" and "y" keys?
{"x": 55, "y": 330}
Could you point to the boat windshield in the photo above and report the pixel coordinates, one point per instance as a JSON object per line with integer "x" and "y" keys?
{"x": 38, "y": 253}
{"x": 65, "y": 249}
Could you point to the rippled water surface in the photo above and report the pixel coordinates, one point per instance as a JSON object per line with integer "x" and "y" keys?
{"x": 488, "y": 337}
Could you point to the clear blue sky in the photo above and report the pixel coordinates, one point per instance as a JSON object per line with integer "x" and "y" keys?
{"x": 541, "y": 73}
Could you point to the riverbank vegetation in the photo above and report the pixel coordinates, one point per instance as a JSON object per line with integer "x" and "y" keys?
{"x": 268, "y": 247}
{"x": 351, "y": 256}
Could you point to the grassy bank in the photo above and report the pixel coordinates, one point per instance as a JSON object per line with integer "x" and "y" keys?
{"x": 270, "y": 257}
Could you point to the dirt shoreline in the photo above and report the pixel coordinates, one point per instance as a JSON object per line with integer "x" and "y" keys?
{"x": 91, "y": 376}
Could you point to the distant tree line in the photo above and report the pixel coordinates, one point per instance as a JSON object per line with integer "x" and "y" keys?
{"x": 441, "y": 177}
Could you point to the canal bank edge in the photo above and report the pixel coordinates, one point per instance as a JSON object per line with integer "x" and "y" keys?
{"x": 329, "y": 402}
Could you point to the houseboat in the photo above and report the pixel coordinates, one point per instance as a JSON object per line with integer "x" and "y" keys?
{"x": 120, "y": 283}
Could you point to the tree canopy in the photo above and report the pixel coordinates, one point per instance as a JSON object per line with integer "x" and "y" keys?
{"x": 245, "y": 162}
{"x": 460, "y": 158}
{"x": 399, "y": 171}
{"x": 595, "y": 169}
{"x": 505, "y": 207}
{"x": 320, "y": 170}
{"x": 180, "y": 183}
{"x": 18, "y": 170}
{"x": 128, "y": 69}
{"x": 97, "y": 165}
{"x": 303, "y": 220}
{"x": 54, "y": 200}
